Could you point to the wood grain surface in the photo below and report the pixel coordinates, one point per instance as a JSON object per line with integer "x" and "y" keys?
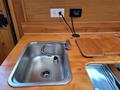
{"x": 105, "y": 45}
{"x": 114, "y": 45}
{"x": 89, "y": 47}
{"x": 80, "y": 79}
{"x": 6, "y": 38}
{"x": 34, "y": 16}
{"x": 39, "y": 10}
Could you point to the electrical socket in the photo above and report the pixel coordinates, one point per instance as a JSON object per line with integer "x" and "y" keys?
{"x": 54, "y": 12}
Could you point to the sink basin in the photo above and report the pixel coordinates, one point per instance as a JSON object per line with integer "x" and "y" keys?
{"x": 41, "y": 63}
{"x": 102, "y": 77}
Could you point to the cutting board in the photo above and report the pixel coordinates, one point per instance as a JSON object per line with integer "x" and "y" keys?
{"x": 89, "y": 47}
{"x": 92, "y": 47}
{"x": 112, "y": 45}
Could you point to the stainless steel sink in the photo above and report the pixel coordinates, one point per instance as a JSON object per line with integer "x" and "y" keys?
{"x": 42, "y": 63}
{"x": 102, "y": 77}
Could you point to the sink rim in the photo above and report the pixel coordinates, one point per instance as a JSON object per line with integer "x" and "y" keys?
{"x": 109, "y": 71}
{"x": 28, "y": 84}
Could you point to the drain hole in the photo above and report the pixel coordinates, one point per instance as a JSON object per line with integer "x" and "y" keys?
{"x": 45, "y": 74}
{"x": 55, "y": 60}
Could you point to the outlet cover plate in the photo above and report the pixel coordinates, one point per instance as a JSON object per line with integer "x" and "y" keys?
{"x": 54, "y": 12}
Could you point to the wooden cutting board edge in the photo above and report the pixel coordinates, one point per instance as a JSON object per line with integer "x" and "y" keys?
{"x": 88, "y": 55}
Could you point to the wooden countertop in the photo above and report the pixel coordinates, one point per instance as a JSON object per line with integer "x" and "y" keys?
{"x": 80, "y": 79}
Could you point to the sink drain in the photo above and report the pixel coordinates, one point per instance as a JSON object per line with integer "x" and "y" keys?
{"x": 45, "y": 74}
{"x": 55, "y": 60}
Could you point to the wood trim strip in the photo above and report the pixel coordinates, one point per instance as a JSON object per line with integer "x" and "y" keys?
{"x": 81, "y": 27}
{"x": 23, "y": 8}
{"x": 10, "y": 3}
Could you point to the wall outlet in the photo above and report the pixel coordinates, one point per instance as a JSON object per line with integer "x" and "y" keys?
{"x": 54, "y": 12}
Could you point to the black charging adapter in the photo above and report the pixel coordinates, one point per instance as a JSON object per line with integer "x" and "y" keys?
{"x": 75, "y": 12}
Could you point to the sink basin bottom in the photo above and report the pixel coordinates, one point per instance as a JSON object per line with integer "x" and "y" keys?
{"x": 41, "y": 69}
